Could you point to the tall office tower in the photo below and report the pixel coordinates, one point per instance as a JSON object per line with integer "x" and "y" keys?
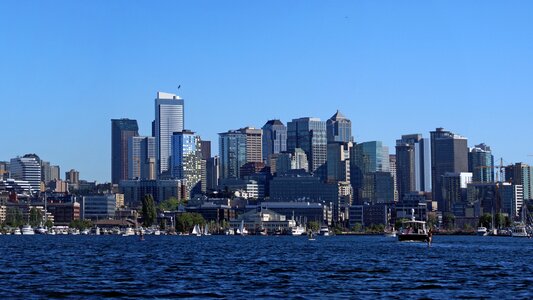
{"x": 392, "y": 164}
{"x": 338, "y": 163}
{"x": 481, "y": 163}
{"x": 413, "y": 166}
{"x": 512, "y": 198}
{"x": 521, "y": 174}
{"x": 55, "y": 173}
{"x": 274, "y": 139}
{"x": 365, "y": 159}
{"x": 212, "y": 173}
{"x": 206, "y": 150}
{"x": 299, "y": 160}
{"x": 254, "y": 144}
{"x": 232, "y": 151}
{"x": 309, "y": 134}
{"x": 454, "y": 189}
{"x": 186, "y": 160}
{"x": 72, "y": 176}
{"x": 121, "y": 131}
{"x": 169, "y": 118}
{"x": 141, "y": 157}
{"x": 339, "y": 128}
{"x": 27, "y": 168}
{"x": 449, "y": 154}
{"x": 45, "y": 172}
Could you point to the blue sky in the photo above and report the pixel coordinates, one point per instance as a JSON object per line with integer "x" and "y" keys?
{"x": 392, "y": 67}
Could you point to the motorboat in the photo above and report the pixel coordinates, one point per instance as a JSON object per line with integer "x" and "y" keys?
{"x": 128, "y": 232}
{"x": 17, "y": 231}
{"x": 297, "y": 230}
{"x": 41, "y": 230}
{"x": 413, "y": 230}
{"x": 482, "y": 231}
{"x": 27, "y": 230}
{"x": 324, "y": 231}
{"x": 519, "y": 230}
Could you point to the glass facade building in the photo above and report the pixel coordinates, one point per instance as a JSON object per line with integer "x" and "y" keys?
{"x": 232, "y": 151}
{"x": 141, "y": 160}
{"x": 339, "y": 128}
{"x": 481, "y": 163}
{"x": 186, "y": 161}
{"x": 309, "y": 134}
{"x": 169, "y": 118}
{"x": 121, "y": 131}
{"x": 274, "y": 139}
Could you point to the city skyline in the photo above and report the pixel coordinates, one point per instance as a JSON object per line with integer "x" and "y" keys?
{"x": 390, "y": 77}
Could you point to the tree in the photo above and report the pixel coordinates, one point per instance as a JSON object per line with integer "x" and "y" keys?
{"x": 148, "y": 210}
{"x": 357, "y": 227}
{"x": 80, "y": 224}
{"x": 186, "y": 221}
{"x": 314, "y": 226}
{"x": 170, "y": 204}
{"x": 14, "y": 217}
{"x": 485, "y": 220}
{"x": 399, "y": 222}
{"x": 36, "y": 217}
{"x": 449, "y": 220}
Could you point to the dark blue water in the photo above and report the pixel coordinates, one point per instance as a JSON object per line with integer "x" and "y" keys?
{"x": 263, "y": 267}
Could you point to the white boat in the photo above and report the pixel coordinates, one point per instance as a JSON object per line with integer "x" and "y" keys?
{"x": 230, "y": 231}
{"x": 128, "y": 232}
{"x": 206, "y": 230}
{"x": 41, "y": 230}
{"x": 519, "y": 230}
{"x": 413, "y": 230}
{"x": 324, "y": 231}
{"x": 27, "y": 230}
{"x": 196, "y": 230}
{"x": 242, "y": 230}
{"x": 97, "y": 231}
{"x": 482, "y": 231}
{"x": 297, "y": 230}
{"x": 157, "y": 232}
{"x": 85, "y": 232}
{"x": 17, "y": 231}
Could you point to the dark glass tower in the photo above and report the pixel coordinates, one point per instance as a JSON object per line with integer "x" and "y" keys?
{"x": 121, "y": 131}
{"x": 274, "y": 139}
{"x": 449, "y": 154}
{"x": 309, "y": 134}
{"x": 481, "y": 163}
{"x": 339, "y": 128}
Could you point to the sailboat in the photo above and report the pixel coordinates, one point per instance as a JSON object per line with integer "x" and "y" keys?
{"x": 196, "y": 230}
{"x": 242, "y": 230}
{"x": 206, "y": 230}
{"x": 520, "y": 229}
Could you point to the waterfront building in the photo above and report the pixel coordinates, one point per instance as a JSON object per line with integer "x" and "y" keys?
{"x": 274, "y": 139}
{"x": 232, "y": 151}
{"x": 368, "y": 215}
{"x": 187, "y": 161}
{"x": 141, "y": 157}
{"x": 521, "y": 174}
{"x": 449, "y": 154}
{"x": 98, "y": 207}
{"x": 413, "y": 200}
{"x": 481, "y": 163}
{"x": 121, "y": 131}
{"x": 213, "y": 212}
{"x": 257, "y": 220}
{"x": 64, "y": 213}
{"x": 169, "y": 118}
{"x": 309, "y": 134}
{"x": 303, "y": 212}
{"x": 413, "y": 166}
{"x": 161, "y": 190}
{"x": 339, "y": 129}
{"x": 28, "y": 169}
{"x": 300, "y": 186}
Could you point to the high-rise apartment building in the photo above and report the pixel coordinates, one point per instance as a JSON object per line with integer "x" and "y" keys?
{"x": 449, "y": 154}
{"x": 481, "y": 163}
{"x": 121, "y": 131}
{"x": 187, "y": 161}
{"x": 72, "y": 176}
{"x": 338, "y": 163}
{"x": 309, "y": 134}
{"x": 169, "y": 118}
{"x": 27, "y": 168}
{"x": 274, "y": 139}
{"x": 254, "y": 144}
{"x": 232, "y": 151}
{"x": 339, "y": 128}
{"x": 413, "y": 166}
{"x": 141, "y": 157}
{"x": 521, "y": 174}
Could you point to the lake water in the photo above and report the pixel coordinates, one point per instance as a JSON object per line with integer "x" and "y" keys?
{"x": 264, "y": 267}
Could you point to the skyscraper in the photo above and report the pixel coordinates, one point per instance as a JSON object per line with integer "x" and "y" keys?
{"x": 212, "y": 173}
{"x": 338, "y": 164}
{"x": 339, "y": 128}
{"x": 254, "y": 144}
{"x": 232, "y": 151}
{"x": 521, "y": 174}
{"x": 413, "y": 167}
{"x": 309, "y": 134}
{"x": 187, "y": 161}
{"x": 121, "y": 131}
{"x": 169, "y": 118}
{"x": 481, "y": 163}
{"x": 27, "y": 168}
{"x": 141, "y": 157}
{"x": 449, "y": 154}
{"x": 274, "y": 139}
{"x": 206, "y": 150}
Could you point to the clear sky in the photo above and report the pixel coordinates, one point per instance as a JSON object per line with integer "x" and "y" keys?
{"x": 392, "y": 67}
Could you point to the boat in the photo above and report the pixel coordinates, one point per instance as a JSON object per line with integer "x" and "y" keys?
{"x": 196, "y": 230}
{"x": 482, "y": 231}
{"x": 128, "y": 232}
{"x": 391, "y": 233}
{"x": 324, "y": 231}
{"x": 242, "y": 230}
{"x": 311, "y": 236}
{"x": 206, "y": 230}
{"x": 41, "y": 230}
{"x": 297, "y": 231}
{"x": 17, "y": 231}
{"x": 520, "y": 229}
{"x": 413, "y": 230}
{"x": 27, "y": 230}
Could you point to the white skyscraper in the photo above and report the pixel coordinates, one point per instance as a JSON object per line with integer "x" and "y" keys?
{"x": 169, "y": 118}
{"x": 26, "y": 168}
